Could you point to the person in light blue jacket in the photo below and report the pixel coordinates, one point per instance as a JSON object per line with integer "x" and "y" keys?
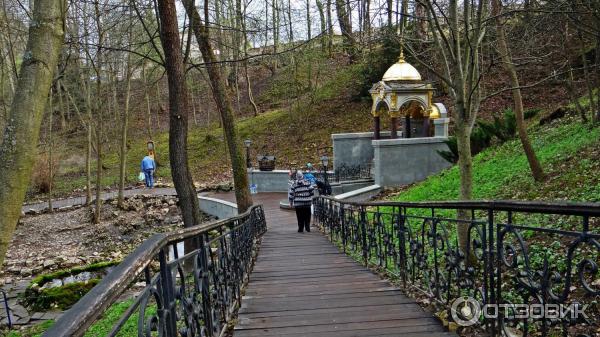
{"x": 148, "y": 167}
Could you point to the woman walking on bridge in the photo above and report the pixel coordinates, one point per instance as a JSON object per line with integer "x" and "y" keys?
{"x": 300, "y": 196}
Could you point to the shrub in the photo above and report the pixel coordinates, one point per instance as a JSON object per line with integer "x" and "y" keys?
{"x": 503, "y": 128}
{"x": 40, "y": 177}
{"x": 482, "y": 135}
{"x": 530, "y": 113}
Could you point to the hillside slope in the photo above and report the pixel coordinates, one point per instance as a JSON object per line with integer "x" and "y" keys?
{"x": 569, "y": 152}
{"x": 298, "y": 115}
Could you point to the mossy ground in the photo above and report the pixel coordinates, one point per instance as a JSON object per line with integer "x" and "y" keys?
{"x": 65, "y": 296}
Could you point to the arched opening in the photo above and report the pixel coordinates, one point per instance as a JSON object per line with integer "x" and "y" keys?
{"x": 415, "y": 122}
{"x": 380, "y": 118}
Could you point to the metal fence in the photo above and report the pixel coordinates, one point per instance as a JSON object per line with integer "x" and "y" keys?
{"x": 194, "y": 294}
{"x": 532, "y": 266}
{"x": 346, "y": 173}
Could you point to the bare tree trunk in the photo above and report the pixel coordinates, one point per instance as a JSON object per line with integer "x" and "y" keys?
{"x": 308, "y": 23}
{"x": 99, "y": 116}
{"x": 50, "y": 145}
{"x": 458, "y": 40}
{"x": 148, "y": 107}
{"x": 124, "y": 126}
{"x": 390, "y": 13}
{"x": 250, "y": 95}
{"x": 421, "y": 20}
{"x": 346, "y": 28}
{"x": 88, "y": 157}
{"x": 323, "y": 25}
{"x": 367, "y": 21}
{"x": 289, "y": 13}
{"x": 275, "y": 10}
{"x": 573, "y": 96}
{"x": 21, "y": 135}
{"x": 329, "y": 29}
{"x": 178, "y": 114}
{"x": 509, "y": 67}
{"x": 240, "y": 175}
{"x": 61, "y": 106}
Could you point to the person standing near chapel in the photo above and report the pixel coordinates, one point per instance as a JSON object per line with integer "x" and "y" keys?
{"x": 300, "y": 196}
{"x": 148, "y": 167}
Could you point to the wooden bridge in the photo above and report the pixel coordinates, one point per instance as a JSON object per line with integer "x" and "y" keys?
{"x": 302, "y": 285}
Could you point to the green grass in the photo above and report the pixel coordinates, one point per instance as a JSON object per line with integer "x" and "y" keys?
{"x": 34, "y": 331}
{"x": 565, "y": 149}
{"x": 101, "y": 327}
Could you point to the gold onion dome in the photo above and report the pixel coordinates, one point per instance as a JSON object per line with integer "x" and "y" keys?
{"x": 401, "y": 71}
{"x": 434, "y": 112}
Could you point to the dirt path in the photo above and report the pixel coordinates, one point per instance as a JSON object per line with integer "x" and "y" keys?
{"x": 78, "y": 201}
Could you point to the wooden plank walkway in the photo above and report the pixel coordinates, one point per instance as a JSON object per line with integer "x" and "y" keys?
{"x": 303, "y": 286}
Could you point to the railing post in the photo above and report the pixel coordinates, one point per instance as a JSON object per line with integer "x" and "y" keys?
{"x": 168, "y": 295}
{"x": 206, "y": 300}
{"x": 489, "y": 266}
{"x": 363, "y": 229}
{"x": 402, "y": 245}
{"x": 343, "y": 229}
{"x": 435, "y": 253}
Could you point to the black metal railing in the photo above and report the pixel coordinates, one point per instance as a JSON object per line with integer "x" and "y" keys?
{"x": 195, "y": 294}
{"x": 346, "y": 173}
{"x": 516, "y": 256}
{"x": 7, "y": 309}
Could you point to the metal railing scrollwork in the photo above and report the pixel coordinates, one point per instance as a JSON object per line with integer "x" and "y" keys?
{"x": 346, "y": 173}
{"x": 531, "y": 269}
{"x": 193, "y": 293}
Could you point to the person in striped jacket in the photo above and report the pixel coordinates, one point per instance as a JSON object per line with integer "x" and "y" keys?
{"x": 300, "y": 195}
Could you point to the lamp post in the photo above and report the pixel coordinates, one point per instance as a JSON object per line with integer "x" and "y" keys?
{"x": 247, "y": 143}
{"x": 325, "y": 162}
{"x": 150, "y": 147}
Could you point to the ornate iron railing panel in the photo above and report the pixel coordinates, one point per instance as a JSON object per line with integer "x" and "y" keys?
{"x": 190, "y": 295}
{"x": 346, "y": 173}
{"x": 517, "y": 256}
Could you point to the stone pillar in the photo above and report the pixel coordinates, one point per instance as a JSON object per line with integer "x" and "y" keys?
{"x": 394, "y": 127}
{"x": 441, "y": 127}
{"x": 376, "y": 127}
{"x": 426, "y": 123}
{"x": 407, "y": 131}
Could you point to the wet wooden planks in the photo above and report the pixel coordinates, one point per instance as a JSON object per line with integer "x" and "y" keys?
{"x": 302, "y": 285}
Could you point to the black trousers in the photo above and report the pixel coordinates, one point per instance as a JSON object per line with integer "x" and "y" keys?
{"x": 303, "y": 215}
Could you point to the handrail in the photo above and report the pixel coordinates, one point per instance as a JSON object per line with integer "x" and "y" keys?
{"x": 498, "y": 254}
{"x": 565, "y": 207}
{"x": 90, "y": 307}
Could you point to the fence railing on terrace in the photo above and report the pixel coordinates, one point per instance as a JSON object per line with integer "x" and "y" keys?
{"x": 516, "y": 256}
{"x": 346, "y": 173}
{"x": 190, "y": 295}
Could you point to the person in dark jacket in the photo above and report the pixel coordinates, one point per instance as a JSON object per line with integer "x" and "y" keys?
{"x": 300, "y": 196}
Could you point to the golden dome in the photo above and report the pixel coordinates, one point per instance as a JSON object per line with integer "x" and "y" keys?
{"x": 401, "y": 71}
{"x": 434, "y": 112}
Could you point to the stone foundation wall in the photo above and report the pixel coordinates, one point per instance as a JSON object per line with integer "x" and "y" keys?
{"x": 404, "y": 161}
